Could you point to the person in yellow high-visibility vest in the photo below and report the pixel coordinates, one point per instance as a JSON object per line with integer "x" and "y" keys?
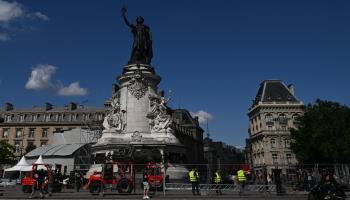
{"x": 218, "y": 181}
{"x": 194, "y": 179}
{"x": 241, "y": 180}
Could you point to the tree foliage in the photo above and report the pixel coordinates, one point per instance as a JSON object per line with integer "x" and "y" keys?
{"x": 30, "y": 147}
{"x": 6, "y": 153}
{"x": 323, "y": 134}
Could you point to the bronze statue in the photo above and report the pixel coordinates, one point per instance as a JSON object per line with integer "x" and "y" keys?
{"x": 142, "y": 47}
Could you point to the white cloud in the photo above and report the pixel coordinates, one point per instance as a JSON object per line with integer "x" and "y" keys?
{"x": 4, "y": 37}
{"x": 73, "y": 89}
{"x": 40, "y": 78}
{"x": 10, "y": 11}
{"x": 203, "y": 116}
{"x": 38, "y": 15}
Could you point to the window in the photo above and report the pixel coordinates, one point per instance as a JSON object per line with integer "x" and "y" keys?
{"x": 269, "y": 119}
{"x": 18, "y": 133}
{"x": 287, "y": 143}
{"x": 5, "y": 133}
{"x": 8, "y": 118}
{"x": 274, "y": 158}
{"x": 59, "y": 117}
{"x": 270, "y": 128}
{"x": 17, "y": 146}
{"x": 29, "y": 118}
{"x": 289, "y": 158}
{"x": 295, "y": 119}
{"x": 284, "y": 128}
{"x": 30, "y": 143}
{"x": 43, "y": 143}
{"x": 47, "y": 117}
{"x": 273, "y": 143}
{"x": 31, "y": 133}
{"x": 283, "y": 119}
{"x": 44, "y": 132}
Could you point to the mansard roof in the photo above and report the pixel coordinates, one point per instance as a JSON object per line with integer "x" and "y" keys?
{"x": 275, "y": 91}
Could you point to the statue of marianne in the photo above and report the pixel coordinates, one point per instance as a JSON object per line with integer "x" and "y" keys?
{"x": 142, "y": 52}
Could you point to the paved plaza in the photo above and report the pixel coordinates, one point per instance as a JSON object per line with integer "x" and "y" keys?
{"x": 16, "y": 193}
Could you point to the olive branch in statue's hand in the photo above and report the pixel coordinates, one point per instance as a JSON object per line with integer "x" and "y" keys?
{"x": 123, "y": 10}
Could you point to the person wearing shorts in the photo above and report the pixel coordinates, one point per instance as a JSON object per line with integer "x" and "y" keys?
{"x": 145, "y": 184}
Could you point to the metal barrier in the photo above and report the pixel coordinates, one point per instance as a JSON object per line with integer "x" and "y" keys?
{"x": 261, "y": 188}
{"x": 213, "y": 187}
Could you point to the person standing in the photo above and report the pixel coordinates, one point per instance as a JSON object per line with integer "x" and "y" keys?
{"x": 278, "y": 181}
{"x": 78, "y": 181}
{"x": 194, "y": 179}
{"x": 241, "y": 180}
{"x": 218, "y": 181}
{"x": 145, "y": 184}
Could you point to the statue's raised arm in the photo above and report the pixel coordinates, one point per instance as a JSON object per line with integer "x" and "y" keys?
{"x": 125, "y": 18}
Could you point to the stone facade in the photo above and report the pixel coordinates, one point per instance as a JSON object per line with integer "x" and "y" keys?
{"x": 274, "y": 112}
{"x": 23, "y": 126}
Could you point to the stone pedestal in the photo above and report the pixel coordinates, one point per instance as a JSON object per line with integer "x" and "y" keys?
{"x": 138, "y": 116}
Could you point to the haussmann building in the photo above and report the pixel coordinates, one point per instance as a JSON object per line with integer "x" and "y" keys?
{"x": 273, "y": 113}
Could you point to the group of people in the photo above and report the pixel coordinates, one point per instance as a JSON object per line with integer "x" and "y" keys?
{"x": 59, "y": 181}
{"x": 41, "y": 182}
{"x": 193, "y": 176}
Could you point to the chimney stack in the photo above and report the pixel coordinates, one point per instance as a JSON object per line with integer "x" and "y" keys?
{"x": 47, "y": 106}
{"x": 8, "y": 106}
{"x": 72, "y": 106}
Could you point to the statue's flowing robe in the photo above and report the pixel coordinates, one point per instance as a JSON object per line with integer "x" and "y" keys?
{"x": 142, "y": 47}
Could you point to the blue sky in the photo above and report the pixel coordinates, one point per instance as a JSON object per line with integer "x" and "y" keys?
{"x": 211, "y": 54}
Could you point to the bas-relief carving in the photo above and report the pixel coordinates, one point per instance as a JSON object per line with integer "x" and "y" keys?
{"x": 115, "y": 118}
{"x": 160, "y": 120}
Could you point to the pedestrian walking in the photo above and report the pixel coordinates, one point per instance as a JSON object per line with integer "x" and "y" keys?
{"x": 194, "y": 179}
{"x": 241, "y": 180}
{"x": 218, "y": 182}
{"x": 145, "y": 184}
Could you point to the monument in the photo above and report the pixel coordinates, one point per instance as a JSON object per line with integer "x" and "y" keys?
{"x": 138, "y": 123}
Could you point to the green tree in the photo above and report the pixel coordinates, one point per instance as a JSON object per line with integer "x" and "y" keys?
{"x": 323, "y": 134}
{"x": 30, "y": 147}
{"x": 7, "y": 153}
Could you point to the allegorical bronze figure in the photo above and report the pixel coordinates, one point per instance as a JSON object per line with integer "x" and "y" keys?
{"x": 142, "y": 47}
